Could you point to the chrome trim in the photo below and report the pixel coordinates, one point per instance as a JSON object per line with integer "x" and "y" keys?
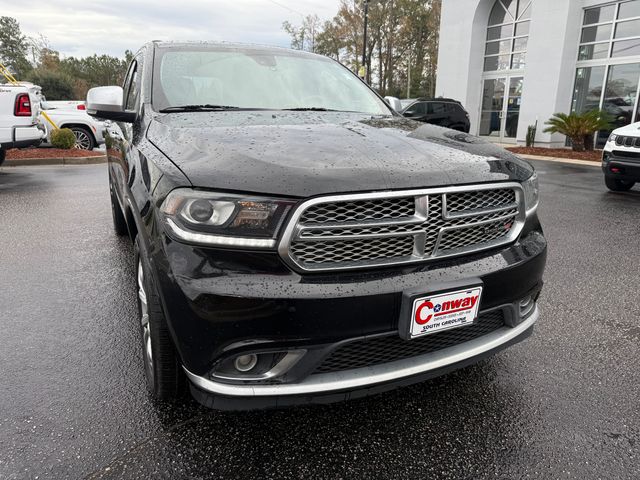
{"x": 294, "y": 228}
{"x": 364, "y": 377}
{"x": 206, "y": 239}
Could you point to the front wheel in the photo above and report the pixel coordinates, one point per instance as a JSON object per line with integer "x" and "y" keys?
{"x": 162, "y": 366}
{"x": 616, "y": 185}
{"x": 84, "y": 138}
{"x": 3, "y": 155}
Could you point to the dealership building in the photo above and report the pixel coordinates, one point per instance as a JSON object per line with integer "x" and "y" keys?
{"x": 514, "y": 62}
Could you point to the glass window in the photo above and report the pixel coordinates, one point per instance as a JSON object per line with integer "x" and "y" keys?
{"x": 596, "y": 34}
{"x": 626, "y": 48}
{"x": 628, "y": 29}
{"x": 437, "y": 108}
{"x": 522, "y": 28}
{"x": 520, "y": 44}
{"x": 629, "y": 9}
{"x": 524, "y": 11}
{"x": 503, "y": 50}
{"x": 518, "y": 61}
{"x": 500, "y": 62}
{"x": 588, "y": 89}
{"x": 499, "y": 14}
{"x": 496, "y": 33}
{"x": 620, "y": 93}
{"x": 599, "y": 15}
{"x": 417, "y": 109}
{"x": 494, "y": 48}
{"x": 594, "y": 51}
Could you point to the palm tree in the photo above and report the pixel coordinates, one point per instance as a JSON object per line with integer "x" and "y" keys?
{"x": 579, "y": 127}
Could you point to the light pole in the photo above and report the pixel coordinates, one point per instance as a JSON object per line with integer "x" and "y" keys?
{"x": 364, "y": 42}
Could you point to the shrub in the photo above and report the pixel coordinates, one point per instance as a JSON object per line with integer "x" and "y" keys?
{"x": 531, "y": 135}
{"x": 579, "y": 127}
{"x": 63, "y": 138}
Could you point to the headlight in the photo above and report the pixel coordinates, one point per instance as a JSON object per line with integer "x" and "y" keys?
{"x": 222, "y": 219}
{"x": 612, "y": 137}
{"x": 531, "y": 192}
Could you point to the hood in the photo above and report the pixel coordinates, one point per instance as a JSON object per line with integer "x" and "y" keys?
{"x": 630, "y": 130}
{"x": 303, "y": 154}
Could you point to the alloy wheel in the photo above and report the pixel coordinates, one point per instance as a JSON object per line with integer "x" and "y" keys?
{"x": 83, "y": 142}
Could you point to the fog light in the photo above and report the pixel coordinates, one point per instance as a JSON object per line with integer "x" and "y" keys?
{"x": 245, "y": 363}
{"x": 527, "y": 305}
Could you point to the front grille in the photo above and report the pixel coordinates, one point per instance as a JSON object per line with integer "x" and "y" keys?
{"x": 365, "y": 230}
{"x": 628, "y": 141}
{"x": 624, "y": 154}
{"x": 379, "y": 350}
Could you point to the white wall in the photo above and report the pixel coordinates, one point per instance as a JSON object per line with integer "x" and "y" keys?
{"x": 550, "y": 68}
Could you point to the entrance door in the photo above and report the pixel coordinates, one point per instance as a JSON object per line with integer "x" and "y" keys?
{"x": 501, "y": 99}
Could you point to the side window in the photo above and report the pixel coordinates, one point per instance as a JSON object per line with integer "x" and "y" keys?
{"x": 437, "y": 108}
{"x": 134, "y": 86}
{"x": 412, "y": 110}
{"x": 127, "y": 82}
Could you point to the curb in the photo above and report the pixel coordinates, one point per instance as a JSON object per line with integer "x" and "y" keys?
{"x": 559, "y": 160}
{"x": 30, "y": 162}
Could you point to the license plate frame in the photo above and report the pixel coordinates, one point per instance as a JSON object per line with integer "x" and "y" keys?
{"x": 457, "y": 313}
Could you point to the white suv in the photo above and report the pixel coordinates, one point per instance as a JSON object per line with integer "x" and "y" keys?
{"x": 621, "y": 158}
{"x": 19, "y": 123}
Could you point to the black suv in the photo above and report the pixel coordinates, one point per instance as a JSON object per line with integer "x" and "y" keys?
{"x": 297, "y": 241}
{"x": 439, "y": 111}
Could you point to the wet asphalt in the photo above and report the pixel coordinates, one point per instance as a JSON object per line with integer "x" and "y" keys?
{"x": 563, "y": 404}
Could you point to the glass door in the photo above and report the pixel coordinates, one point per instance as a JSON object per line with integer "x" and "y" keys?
{"x": 492, "y": 107}
{"x": 501, "y": 100}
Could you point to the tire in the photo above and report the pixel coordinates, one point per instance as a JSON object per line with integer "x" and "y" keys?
{"x": 119, "y": 222}
{"x": 3, "y": 155}
{"x": 616, "y": 185}
{"x": 163, "y": 369}
{"x": 84, "y": 138}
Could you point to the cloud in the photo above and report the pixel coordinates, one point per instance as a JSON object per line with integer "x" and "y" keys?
{"x": 113, "y": 26}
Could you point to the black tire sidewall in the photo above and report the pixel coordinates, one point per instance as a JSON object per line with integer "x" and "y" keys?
{"x": 3, "y": 155}
{"x": 168, "y": 380}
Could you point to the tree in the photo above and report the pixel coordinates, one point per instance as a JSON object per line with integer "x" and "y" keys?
{"x": 403, "y": 36}
{"x": 55, "y": 85}
{"x": 304, "y": 37}
{"x": 14, "y": 47}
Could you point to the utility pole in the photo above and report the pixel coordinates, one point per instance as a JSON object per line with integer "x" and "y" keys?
{"x": 364, "y": 42}
{"x": 409, "y": 78}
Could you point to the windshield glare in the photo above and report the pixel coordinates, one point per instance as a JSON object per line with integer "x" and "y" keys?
{"x": 258, "y": 79}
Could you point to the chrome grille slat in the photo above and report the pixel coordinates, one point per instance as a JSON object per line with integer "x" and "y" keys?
{"x": 386, "y": 228}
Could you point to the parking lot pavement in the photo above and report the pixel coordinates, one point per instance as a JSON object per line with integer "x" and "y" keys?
{"x": 564, "y": 404}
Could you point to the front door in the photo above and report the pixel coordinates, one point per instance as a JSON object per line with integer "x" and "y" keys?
{"x": 501, "y": 100}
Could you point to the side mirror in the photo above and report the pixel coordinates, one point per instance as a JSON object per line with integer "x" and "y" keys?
{"x": 106, "y": 103}
{"x": 394, "y": 103}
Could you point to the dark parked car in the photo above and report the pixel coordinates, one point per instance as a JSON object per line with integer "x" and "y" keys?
{"x": 297, "y": 241}
{"x": 439, "y": 111}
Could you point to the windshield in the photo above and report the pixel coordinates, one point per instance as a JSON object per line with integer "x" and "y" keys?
{"x": 260, "y": 79}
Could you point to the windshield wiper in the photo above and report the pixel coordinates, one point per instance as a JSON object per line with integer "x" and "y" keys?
{"x": 199, "y": 108}
{"x": 310, "y": 109}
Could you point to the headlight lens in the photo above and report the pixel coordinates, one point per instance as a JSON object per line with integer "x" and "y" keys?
{"x": 531, "y": 192}
{"x": 222, "y": 219}
{"x": 612, "y": 137}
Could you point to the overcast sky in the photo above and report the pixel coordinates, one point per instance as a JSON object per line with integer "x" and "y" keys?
{"x": 80, "y": 28}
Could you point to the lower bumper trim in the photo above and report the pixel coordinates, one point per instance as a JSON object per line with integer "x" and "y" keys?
{"x": 375, "y": 375}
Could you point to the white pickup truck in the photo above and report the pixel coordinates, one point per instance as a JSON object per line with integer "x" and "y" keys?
{"x": 19, "y": 117}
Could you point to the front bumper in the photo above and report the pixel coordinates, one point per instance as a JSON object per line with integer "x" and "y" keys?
{"x": 220, "y": 304}
{"x": 330, "y": 387}
{"x": 625, "y": 168}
